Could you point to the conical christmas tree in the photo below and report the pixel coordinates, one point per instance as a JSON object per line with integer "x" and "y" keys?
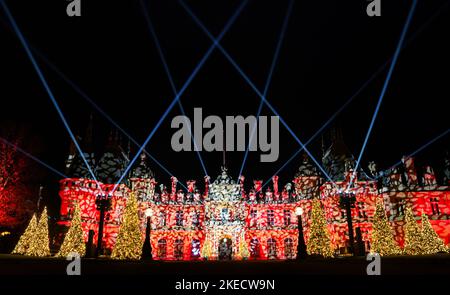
{"x": 39, "y": 244}
{"x": 206, "y": 249}
{"x": 74, "y": 240}
{"x": 129, "y": 241}
{"x": 25, "y": 240}
{"x": 432, "y": 243}
{"x": 413, "y": 235}
{"x": 383, "y": 241}
{"x": 319, "y": 242}
{"x": 243, "y": 248}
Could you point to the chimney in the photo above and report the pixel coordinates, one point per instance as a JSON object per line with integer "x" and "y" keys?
{"x": 410, "y": 170}
{"x": 275, "y": 184}
{"x": 173, "y": 191}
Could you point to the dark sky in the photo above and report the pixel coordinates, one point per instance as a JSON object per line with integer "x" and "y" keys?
{"x": 330, "y": 49}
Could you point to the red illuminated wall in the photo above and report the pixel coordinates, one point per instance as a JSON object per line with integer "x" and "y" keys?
{"x": 269, "y": 225}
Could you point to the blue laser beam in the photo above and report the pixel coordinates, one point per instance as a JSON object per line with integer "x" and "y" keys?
{"x": 15, "y": 146}
{"x": 385, "y": 86}
{"x": 363, "y": 86}
{"x": 252, "y": 85}
{"x": 45, "y": 84}
{"x": 170, "y": 77}
{"x": 269, "y": 79}
{"x": 100, "y": 110}
{"x": 186, "y": 84}
{"x": 430, "y": 142}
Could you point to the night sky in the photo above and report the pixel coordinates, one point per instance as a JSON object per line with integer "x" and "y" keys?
{"x": 331, "y": 48}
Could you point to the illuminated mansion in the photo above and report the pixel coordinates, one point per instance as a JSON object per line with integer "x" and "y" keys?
{"x": 261, "y": 221}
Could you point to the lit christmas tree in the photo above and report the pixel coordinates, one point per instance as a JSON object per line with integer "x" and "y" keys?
{"x": 383, "y": 241}
{"x": 243, "y": 248}
{"x": 74, "y": 240}
{"x": 129, "y": 241}
{"x": 413, "y": 235}
{"x": 39, "y": 244}
{"x": 24, "y": 241}
{"x": 432, "y": 243}
{"x": 319, "y": 242}
{"x": 206, "y": 249}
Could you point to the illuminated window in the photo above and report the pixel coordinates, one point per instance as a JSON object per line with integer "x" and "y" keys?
{"x": 288, "y": 248}
{"x": 178, "y": 249}
{"x": 162, "y": 219}
{"x": 196, "y": 219}
{"x": 225, "y": 214}
{"x": 270, "y": 218}
{"x": 271, "y": 248}
{"x": 253, "y": 218}
{"x": 401, "y": 208}
{"x": 435, "y": 205}
{"x": 287, "y": 217}
{"x": 195, "y": 248}
{"x": 361, "y": 210}
{"x": 179, "y": 218}
{"x": 162, "y": 249}
{"x": 255, "y": 248}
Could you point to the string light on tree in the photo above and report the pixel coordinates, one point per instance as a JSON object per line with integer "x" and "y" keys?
{"x": 25, "y": 240}
{"x": 432, "y": 243}
{"x": 319, "y": 242}
{"x": 129, "y": 241}
{"x": 39, "y": 244}
{"x": 413, "y": 235}
{"x": 383, "y": 241}
{"x": 74, "y": 240}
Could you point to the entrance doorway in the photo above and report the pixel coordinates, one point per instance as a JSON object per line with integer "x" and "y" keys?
{"x": 225, "y": 249}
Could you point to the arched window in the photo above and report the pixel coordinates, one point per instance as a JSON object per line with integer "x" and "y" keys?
{"x": 288, "y": 248}
{"x": 162, "y": 248}
{"x": 179, "y": 218}
{"x": 195, "y": 249}
{"x": 271, "y": 248}
{"x": 255, "y": 248}
{"x": 178, "y": 249}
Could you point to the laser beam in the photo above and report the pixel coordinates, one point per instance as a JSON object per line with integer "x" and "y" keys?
{"x": 99, "y": 109}
{"x": 186, "y": 84}
{"x": 170, "y": 77}
{"x": 27, "y": 154}
{"x": 252, "y": 85}
{"x": 385, "y": 86}
{"x": 363, "y": 86}
{"x": 46, "y": 86}
{"x": 268, "y": 81}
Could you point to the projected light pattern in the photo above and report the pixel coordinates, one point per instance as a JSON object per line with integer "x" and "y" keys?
{"x": 224, "y": 221}
{"x": 386, "y": 83}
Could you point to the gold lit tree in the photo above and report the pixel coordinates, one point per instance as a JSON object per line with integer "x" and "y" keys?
{"x": 319, "y": 242}
{"x": 383, "y": 241}
{"x": 206, "y": 249}
{"x": 243, "y": 248}
{"x": 432, "y": 243}
{"x": 129, "y": 240}
{"x": 413, "y": 235}
{"x": 74, "y": 240}
{"x": 24, "y": 241}
{"x": 39, "y": 243}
